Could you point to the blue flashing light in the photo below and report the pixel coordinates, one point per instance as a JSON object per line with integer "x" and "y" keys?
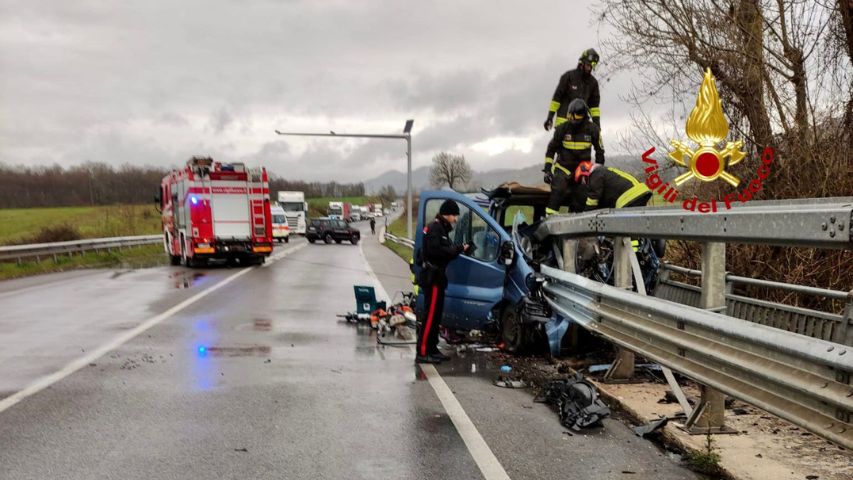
{"x": 194, "y": 200}
{"x": 202, "y": 350}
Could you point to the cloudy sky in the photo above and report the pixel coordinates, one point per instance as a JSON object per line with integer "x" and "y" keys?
{"x": 154, "y": 82}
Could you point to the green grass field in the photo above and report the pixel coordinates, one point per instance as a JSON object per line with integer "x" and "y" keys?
{"x": 398, "y": 228}
{"x": 134, "y": 257}
{"x": 18, "y": 225}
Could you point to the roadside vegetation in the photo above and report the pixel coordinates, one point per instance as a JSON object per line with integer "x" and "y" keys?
{"x": 398, "y": 228}
{"x": 39, "y": 225}
{"x": 133, "y": 257}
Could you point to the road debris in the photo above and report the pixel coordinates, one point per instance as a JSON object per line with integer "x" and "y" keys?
{"x": 643, "y": 430}
{"x": 577, "y": 402}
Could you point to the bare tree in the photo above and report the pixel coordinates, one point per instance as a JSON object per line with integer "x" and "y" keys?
{"x": 784, "y": 70}
{"x": 388, "y": 194}
{"x": 449, "y": 169}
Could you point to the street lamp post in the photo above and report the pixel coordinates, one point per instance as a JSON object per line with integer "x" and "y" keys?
{"x": 406, "y": 135}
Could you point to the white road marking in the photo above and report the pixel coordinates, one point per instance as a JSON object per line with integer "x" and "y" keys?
{"x": 380, "y": 290}
{"x": 116, "y": 342}
{"x": 488, "y": 464}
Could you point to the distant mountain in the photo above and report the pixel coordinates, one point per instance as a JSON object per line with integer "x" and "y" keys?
{"x": 490, "y": 178}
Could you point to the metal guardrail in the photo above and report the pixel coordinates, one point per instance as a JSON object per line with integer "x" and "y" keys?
{"x": 804, "y": 380}
{"x": 43, "y": 250}
{"x": 823, "y": 223}
{"x": 804, "y": 321}
{"x": 400, "y": 240}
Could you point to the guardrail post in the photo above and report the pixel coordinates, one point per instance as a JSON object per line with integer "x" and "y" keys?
{"x": 844, "y": 334}
{"x": 622, "y": 368}
{"x": 570, "y": 254}
{"x": 709, "y": 415}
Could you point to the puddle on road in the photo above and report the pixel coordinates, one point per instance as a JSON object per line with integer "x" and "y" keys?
{"x": 184, "y": 280}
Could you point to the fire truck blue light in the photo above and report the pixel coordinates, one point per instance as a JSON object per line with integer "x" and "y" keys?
{"x": 194, "y": 200}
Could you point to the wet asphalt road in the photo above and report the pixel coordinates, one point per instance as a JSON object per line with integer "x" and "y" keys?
{"x": 259, "y": 379}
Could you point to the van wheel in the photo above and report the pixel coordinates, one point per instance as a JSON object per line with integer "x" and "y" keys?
{"x": 328, "y": 238}
{"x": 311, "y": 240}
{"x": 354, "y": 240}
{"x": 287, "y": 239}
{"x": 512, "y": 330}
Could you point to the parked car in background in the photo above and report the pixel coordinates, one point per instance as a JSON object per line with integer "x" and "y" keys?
{"x": 331, "y": 230}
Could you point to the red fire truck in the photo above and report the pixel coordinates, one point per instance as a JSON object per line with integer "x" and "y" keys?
{"x": 214, "y": 210}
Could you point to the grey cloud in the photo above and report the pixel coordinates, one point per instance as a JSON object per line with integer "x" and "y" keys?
{"x": 157, "y": 81}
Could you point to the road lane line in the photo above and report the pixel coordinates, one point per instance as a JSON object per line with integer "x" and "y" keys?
{"x": 370, "y": 273}
{"x": 489, "y": 465}
{"x": 483, "y": 456}
{"x": 116, "y": 342}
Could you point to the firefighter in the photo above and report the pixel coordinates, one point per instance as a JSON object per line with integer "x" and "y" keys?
{"x": 437, "y": 251}
{"x": 577, "y": 83}
{"x": 572, "y": 143}
{"x": 609, "y": 187}
{"x": 372, "y": 226}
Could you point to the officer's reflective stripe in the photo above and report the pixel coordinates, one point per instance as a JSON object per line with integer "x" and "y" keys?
{"x": 635, "y": 245}
{"x": 591, "y": 202}
{"x": 551, "y": 211}
{"x": 577, "y": 145}
{"x": 595, "y": 111}
{"x": 560, "y": 167}
{"x": 625, "y": 175}
{"x": 632, "y": 194}
{"x": 554, "y": 107}
{"x": 561, "y": 120}
{"x": 548, "y": 160}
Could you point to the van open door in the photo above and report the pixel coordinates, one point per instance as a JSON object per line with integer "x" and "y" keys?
{"x": 476, "y": 280}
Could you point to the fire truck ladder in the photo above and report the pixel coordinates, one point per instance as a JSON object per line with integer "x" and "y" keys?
{"x": 256, "y": 201}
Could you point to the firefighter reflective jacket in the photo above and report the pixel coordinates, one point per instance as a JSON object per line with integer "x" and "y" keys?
{"x": 612, "y": 188}
{"x": 573, "y": 144}
{"x": 575, "y": 84}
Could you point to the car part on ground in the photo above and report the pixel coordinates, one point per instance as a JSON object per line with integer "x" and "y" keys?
{"x": 577, "y": 402}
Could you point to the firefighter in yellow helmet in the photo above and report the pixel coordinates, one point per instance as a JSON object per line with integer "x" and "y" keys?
{"x": 572, "y": 144}
{"x": 577, "y": 83}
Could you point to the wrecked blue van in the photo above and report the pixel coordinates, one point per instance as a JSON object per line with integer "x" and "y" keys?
{"x": 493, "y": 289}
{"x": 496, "y": 288}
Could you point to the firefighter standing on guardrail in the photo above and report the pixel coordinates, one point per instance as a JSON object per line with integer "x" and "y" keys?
{"x": 437, "y": 251}
{"x": 577, "y": 83}
{"x": 572, "y": 144}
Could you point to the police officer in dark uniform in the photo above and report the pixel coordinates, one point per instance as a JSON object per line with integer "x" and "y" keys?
{"x": 577, "y": 83}
{"x": 437, "y": 251}
{"x": 572, "y": 144}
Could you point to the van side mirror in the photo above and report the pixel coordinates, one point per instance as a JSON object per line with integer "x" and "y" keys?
{"x": 507, "y": 254}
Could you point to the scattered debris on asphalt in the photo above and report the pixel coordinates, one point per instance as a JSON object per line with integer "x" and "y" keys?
{"x": 643, "y": 430}
{"x": 577, "y": 402}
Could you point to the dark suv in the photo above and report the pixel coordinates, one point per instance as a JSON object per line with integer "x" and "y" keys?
{"x": 330, "y": 230}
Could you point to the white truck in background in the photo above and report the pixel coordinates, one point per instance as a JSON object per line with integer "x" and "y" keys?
{"x": 377, "y": 209}
{"x": 295, "y": 210}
